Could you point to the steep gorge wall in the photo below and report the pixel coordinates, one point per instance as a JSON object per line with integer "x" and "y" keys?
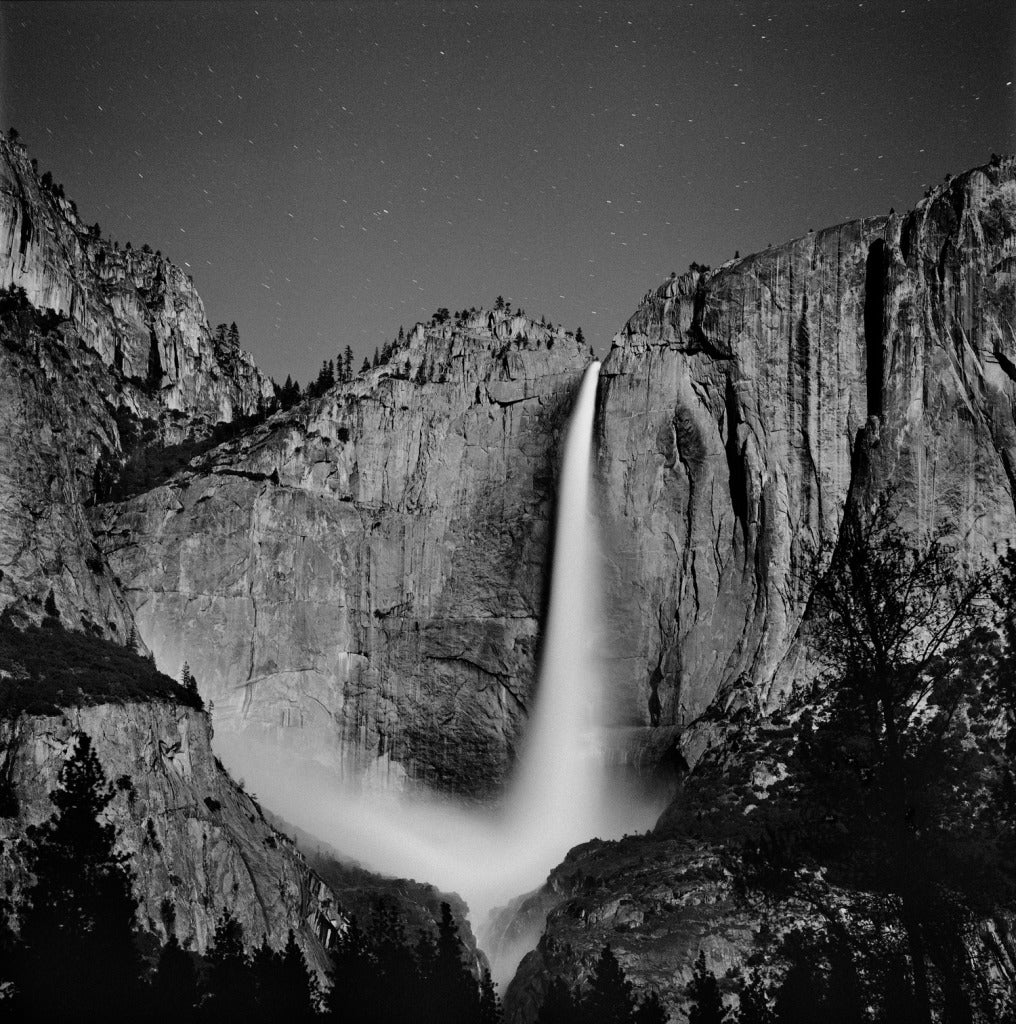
{"x": 360, "y": 580}
{"x": 194, "y": 839}
{"x": 123, "y": 303}
{"x": 739, "y": 408}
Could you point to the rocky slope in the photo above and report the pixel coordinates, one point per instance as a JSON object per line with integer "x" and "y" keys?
{"x": 731, "y": 410}
{"x": 130, "y": 360}
{"x": 128, "y": 363}
{"x": 360, "y": 580}
{"x": 194, "y": 838}
{"x": 881, "y": 351}
{"x": 136, "y": 310}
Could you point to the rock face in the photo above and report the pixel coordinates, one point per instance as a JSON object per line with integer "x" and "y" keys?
{"x": 394, "y": 532}
{"x": 131, "y": 358}
{"x": 653, "y": 899}
{"x": 733, "y": 414}
{"x": 194, "y": 838}
{"x": 360, "y": 580}
{"x": 132, "y": 361}
{"x": 135, "y": 309}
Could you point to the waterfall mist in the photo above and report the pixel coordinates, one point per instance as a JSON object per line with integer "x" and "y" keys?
{"x": 561, "y": 794}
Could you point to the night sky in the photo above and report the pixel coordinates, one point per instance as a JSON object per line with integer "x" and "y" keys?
{"x": 328, "y": 172}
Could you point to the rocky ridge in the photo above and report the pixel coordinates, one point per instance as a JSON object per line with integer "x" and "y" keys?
{"x": 360, "y": 579}
{"x": 758, "y": 386}
{"x": 129, "y": 357}
{"x": 135, "y": 309}
{"x": 195, "y": 839}
{"x": 877, "y": 352}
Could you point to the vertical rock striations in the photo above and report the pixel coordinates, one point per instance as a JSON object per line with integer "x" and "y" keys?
{"x": 739, "y": 408}
{"x": 194, "y": 839}
{"x": 360, "y": 580}
{"x": 135, "y": 309}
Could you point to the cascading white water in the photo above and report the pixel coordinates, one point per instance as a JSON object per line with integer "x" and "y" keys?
{"x": 558, "y": 796}
{"x": 558, "y": 785}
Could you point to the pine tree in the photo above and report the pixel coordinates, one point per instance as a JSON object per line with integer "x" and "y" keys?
{"x": 609, "y": 998}
{"x": 490, "y": 1005}
{"x": 231, "y": 993}
{"x": 234, "y": 335}
{"x": 706, "y": 1003}
{"x": 454, "y": 987}
{"x": 174, "y": 989}
{"x": 348, "y": 363}
{"x": 353, "y": 978}
{"x": 651, "y": 1011}
{"x": 286, "y": 990}
{"x": 366, "y": 365}
{"x": 798, "y": 998}
{"x": 753, "y": 1001}
{"x": 580, "y": 337}
{"x": 558, "y": 1006}
{"x": 77, "y": 957}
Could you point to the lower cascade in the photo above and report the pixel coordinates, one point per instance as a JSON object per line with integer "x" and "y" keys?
{"x": 560, "y": 794}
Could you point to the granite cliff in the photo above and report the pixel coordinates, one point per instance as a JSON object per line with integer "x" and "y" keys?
{"x": 360, "y": 579}
{"x": 877, "y": 352}
{"x": 102, "y": 351}
{"x": 123, "y": 361}
{"x": 195, "y": 839}
{"x": 739, "y": 407}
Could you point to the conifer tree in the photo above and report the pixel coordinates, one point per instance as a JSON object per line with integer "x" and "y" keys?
{"x": 77, "y": 955}
{"x": 558, "y": 1006}
{"x": 230, "y": 988}
{"x": 174, "y": 989}
{"x": 489, "y": 1010}
{"x": 348, "y": 363}
{"x": 753, "y": 1001}
{"x": 352, "y": 977}
{"x": 454, "y": 987}
{"x": 706, "y": 1003}
{"x": 651, "y": 1011}
{"x": 286, "y": 990}
{"x": 609, "y": 998}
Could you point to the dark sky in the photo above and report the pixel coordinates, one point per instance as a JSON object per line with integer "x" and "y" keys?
{"x": 328, "y": 172}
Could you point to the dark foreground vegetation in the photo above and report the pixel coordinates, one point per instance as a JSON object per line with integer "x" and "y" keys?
{"x": 46, "y": 668}
{"x": 70, "y": 950}
{"x": 871, "y": 825}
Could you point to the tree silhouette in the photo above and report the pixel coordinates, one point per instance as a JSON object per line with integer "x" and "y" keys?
{"x": 286, "y": 989}
{"x": 352, "y": 977}
{"x": 650, "y": 1011}
{"x": 230, "y": 993}
{"x": 753, "y": 1001}
{"x": 703, "y": 991}
{"x": 896, "y": 787}
{"x": 558, "y": 1006}
{"x": 77, "y": 952}
{"x": 609, "y": 998}
{"x": 174, "y": 987}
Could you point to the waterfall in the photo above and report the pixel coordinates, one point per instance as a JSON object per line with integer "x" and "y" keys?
{"x": 558, "y": 786}
{"x": 559, "y": 796}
